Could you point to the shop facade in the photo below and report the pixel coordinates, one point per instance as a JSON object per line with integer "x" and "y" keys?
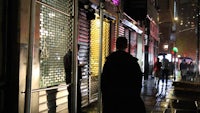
{"x": 45, "y": 31}
{"x": 54, "y": 36}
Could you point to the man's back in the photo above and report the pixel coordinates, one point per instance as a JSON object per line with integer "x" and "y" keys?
{"x": 121, "y": 82}
{"x": 123, "y": 71}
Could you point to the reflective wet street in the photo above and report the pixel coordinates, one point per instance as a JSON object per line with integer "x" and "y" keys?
{"x": 155, "y": 97}
{"x": 166, "y": 98}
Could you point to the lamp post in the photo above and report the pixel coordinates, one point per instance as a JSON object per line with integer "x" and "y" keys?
{"x": 198, "y": 21}
{"x": 175, "y": 50}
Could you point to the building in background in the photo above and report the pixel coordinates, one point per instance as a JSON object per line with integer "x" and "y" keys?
{"x": 187, "y": 28}
{"x": 166, "y": 21}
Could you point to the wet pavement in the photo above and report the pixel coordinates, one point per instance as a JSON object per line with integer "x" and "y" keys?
{"x": 155, "y": 97}
{"x": 163, "y": 99}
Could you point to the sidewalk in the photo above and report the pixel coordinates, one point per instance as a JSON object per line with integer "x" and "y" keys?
{"x": 153, "y": 98}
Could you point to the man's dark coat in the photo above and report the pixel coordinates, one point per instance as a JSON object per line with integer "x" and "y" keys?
{"x": 121, "y": 83}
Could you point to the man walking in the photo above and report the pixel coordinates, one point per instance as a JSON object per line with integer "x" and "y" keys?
{"x": 121, "y": 82}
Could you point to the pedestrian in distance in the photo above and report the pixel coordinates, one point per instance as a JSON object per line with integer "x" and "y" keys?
{"x": 68, "y": 76}
{"x": 165, "y": 69}
{"x": 121, "y": 82}
{"x": 183, "y": 68}
{"x": 157, "y": 72}
{"x": 191, "y": 68}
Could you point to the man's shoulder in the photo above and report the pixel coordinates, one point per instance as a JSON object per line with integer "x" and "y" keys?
{"x": 135, "y": 58}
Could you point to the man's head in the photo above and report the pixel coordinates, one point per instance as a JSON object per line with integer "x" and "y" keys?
{"x": 121, "y": 43}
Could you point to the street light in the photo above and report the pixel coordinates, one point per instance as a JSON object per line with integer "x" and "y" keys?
{"x": 175, "y": 18}
{"x": 165, "y": 47}
{"x": 175, "y": 49}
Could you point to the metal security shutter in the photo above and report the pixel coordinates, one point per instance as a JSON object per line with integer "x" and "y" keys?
{"x": 94, "y": 53}
{"x": 55, "y": 39}
{"x": 121, "y": 30}
{"x": 113, "y": 37}
{"x": 106, "y": 40}
{"x": 83, "y": 41}
{"x": 94, "y": 59}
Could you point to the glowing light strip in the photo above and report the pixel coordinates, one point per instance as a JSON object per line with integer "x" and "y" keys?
{"x": 129, "y": 24}
{"x": 115, "y": 2}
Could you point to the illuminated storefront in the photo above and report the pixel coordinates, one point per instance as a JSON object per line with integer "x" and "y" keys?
{"x": 153, "y": 43}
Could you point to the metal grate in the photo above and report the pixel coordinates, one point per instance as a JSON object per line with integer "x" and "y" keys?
{"x": 106, "y": 40}
{"x": 55, "y": 39}
{"x": 121, "y": 30}
{"x": 83, "y": 54}
{"x": 94, "y": 53}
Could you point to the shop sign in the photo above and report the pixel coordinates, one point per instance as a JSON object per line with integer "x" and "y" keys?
{"x": 115, "y": 2}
